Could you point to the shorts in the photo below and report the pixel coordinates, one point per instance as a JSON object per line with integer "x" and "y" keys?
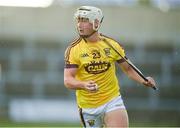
{"x": 93, "y": 117}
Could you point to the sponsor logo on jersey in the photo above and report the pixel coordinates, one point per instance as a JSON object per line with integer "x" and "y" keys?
{"x": 84, "y": 55}
{"x": 96, "y": 67}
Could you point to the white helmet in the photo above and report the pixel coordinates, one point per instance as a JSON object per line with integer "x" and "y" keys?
{"x": 92, "y": 13}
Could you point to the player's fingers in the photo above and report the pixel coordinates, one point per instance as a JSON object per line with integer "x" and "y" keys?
{"x": 90, "y": 85}
{"x": 91, "y": 82}
{"x": 93, "y": 87}
{"x": 151, "y": 81}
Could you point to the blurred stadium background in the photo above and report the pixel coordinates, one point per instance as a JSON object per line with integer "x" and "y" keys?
{"x": 32, "y": 42}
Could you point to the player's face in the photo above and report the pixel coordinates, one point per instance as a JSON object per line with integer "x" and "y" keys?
{"x": 84, "y": 26}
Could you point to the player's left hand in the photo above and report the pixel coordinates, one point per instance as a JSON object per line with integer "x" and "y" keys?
{"x": 150, "y": 83}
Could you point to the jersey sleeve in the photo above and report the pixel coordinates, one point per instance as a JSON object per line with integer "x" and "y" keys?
{"x": 118, "y": 47}
{"x": 71, "y": 58}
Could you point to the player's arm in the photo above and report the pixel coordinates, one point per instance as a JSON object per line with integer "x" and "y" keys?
{"x": 69, "y": 79}
{"x": 131, "y": 73}
{"x": 72, "y": 83}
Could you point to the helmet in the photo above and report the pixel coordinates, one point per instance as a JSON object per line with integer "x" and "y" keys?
{"x": 90, "y": 12}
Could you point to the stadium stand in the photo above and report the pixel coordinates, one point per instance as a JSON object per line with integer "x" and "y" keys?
{"x": 46, "y": 63}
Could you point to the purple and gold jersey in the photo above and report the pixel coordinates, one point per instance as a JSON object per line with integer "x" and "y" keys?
{"x": 95, "y": 61}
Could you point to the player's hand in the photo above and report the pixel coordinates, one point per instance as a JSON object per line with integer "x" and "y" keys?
{"x": 91, "y": 86}
{"x": 150, "y": 83}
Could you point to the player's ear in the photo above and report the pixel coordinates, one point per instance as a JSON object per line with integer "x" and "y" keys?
{"x": 96, "y": 23}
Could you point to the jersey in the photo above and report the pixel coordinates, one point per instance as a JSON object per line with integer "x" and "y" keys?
{"x": 95, "y": 61}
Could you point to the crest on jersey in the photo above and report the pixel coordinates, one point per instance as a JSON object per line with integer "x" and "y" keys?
{"x": 107, "y": 51}
{"x": 91, "y": 122}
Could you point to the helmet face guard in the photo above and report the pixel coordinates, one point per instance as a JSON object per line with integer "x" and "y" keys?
{"x": 91, "y": 13}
